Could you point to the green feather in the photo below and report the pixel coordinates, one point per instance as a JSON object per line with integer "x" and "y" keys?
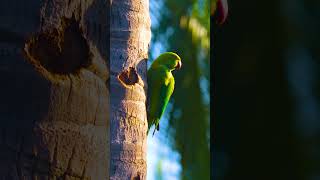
{"x": 160, "y": 86}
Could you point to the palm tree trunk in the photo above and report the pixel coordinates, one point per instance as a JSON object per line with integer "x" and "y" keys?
{"x": 54, "y": 100}
{"x": 129, "y": 37}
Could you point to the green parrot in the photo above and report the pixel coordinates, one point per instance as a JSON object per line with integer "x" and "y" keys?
{"x": 160, "y": 86}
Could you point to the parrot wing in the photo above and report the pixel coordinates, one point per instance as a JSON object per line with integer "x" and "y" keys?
{"x": 161, "y": 86}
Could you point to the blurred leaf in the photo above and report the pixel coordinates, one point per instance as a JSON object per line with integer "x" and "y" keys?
{"x": 159, "y": 171}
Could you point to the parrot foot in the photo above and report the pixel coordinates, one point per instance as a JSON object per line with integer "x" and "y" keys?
{"x": 153, "y": 132}
{"x": 155, "y": 128}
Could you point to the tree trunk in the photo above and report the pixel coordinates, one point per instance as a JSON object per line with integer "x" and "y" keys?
{"x": 129, "y": 41}
{"x": 54, "y": 110}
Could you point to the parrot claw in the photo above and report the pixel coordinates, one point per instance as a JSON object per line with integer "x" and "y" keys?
{"x": 153, "y": 132}
{"x": 155, "y": 128}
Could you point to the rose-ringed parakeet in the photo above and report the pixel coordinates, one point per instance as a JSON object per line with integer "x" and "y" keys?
{"x": 160, "y": 86}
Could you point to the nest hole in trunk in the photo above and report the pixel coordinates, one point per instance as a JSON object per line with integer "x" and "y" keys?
{"x": 63, "y": 50}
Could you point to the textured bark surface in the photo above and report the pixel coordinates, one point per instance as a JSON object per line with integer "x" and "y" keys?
{"x": 54, "y": 110}
{"x": 129, "y": 41}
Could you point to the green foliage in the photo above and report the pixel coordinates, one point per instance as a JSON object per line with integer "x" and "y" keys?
{"x": 213, "y": 6}
{"x": 184, "y": 24}
{"x": 159, "y": 171}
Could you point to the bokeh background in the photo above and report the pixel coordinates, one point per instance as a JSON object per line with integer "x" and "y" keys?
{"x": 181, "y": 149}
{"x": 264, "y": 89}
{"x": 266, "y": 69}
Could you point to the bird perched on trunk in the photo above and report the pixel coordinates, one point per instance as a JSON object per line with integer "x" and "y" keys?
{"x": 160, "y": 86}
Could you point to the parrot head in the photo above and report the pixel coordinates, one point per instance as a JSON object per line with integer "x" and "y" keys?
{"x": 169, "y": 59}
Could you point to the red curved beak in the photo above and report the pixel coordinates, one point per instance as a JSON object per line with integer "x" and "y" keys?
{"x": 222, "y": 11}
{"x": 178, "y": 65}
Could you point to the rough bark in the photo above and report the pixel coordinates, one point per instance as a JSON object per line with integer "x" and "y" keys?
{"x": 129, "y": 41}
{"x": 54, "y": 110}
